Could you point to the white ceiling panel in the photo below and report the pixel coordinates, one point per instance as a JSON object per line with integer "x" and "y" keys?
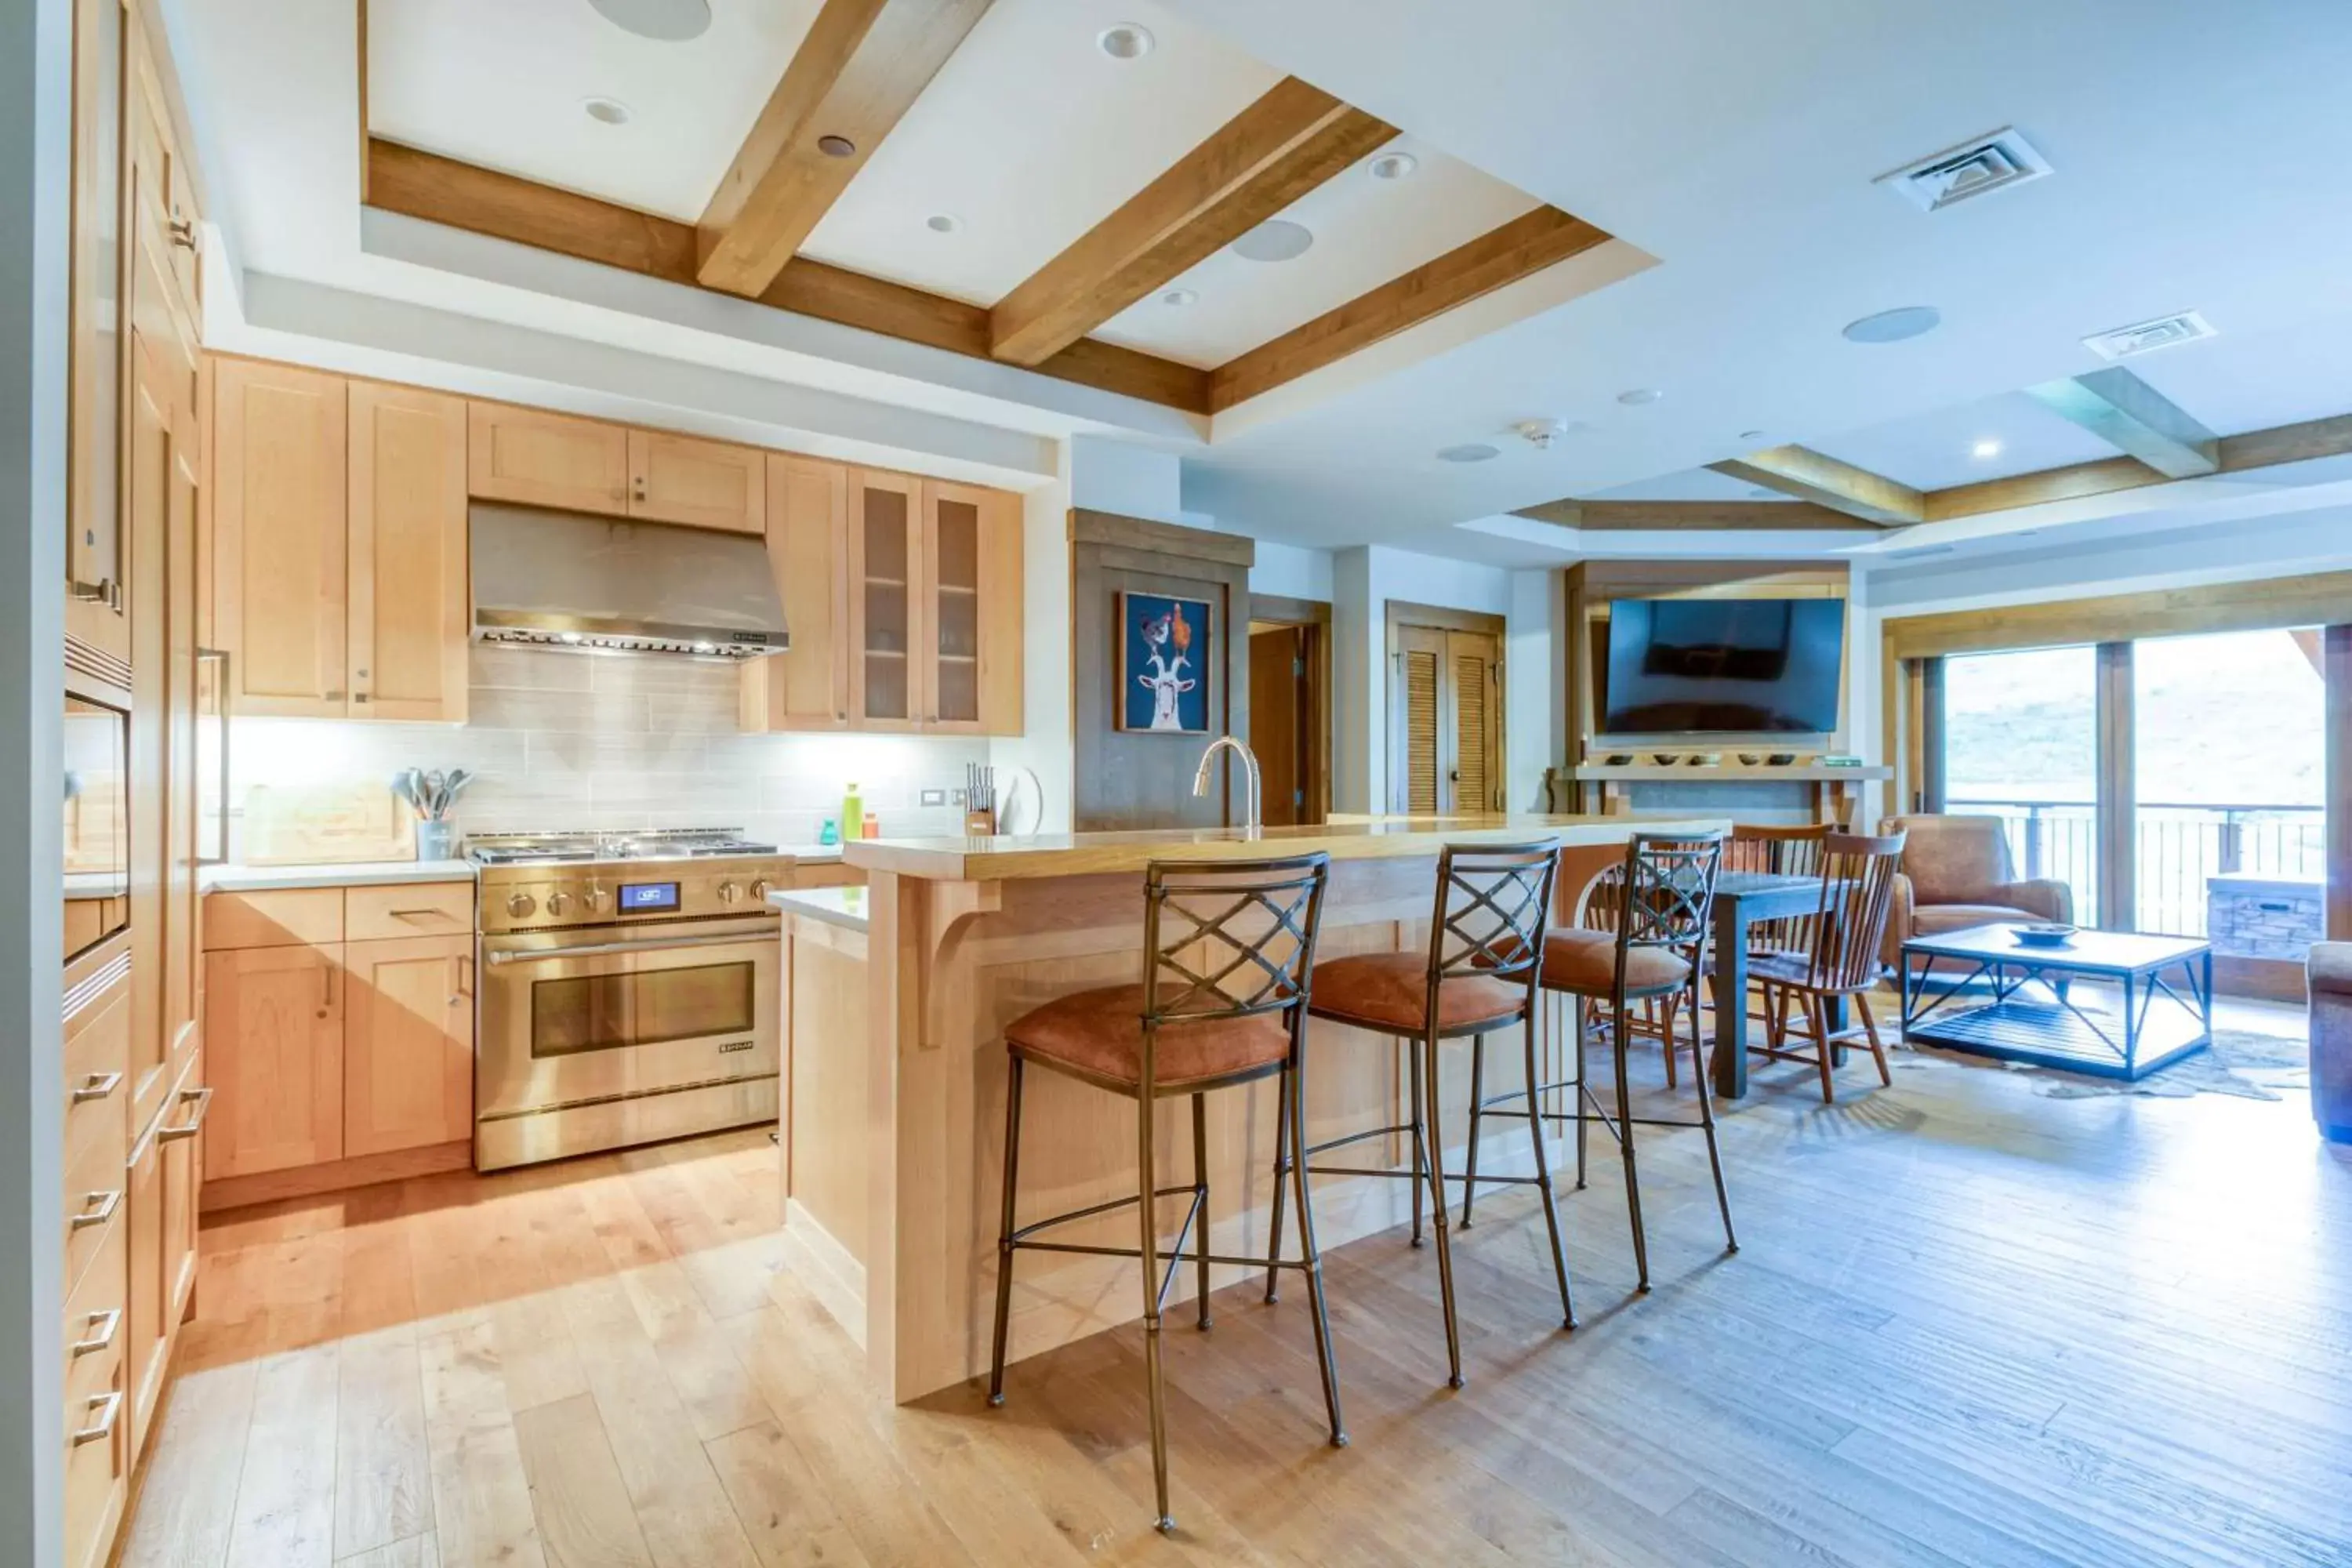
{"x": 1367, "y": 231}
{"x": 1935, "y": 451}
{"x": 2231, "y": 385}
{"x": 504, "y": 85}
{"x": 1028, "y": 137}
{"x": 1691, "y": 484}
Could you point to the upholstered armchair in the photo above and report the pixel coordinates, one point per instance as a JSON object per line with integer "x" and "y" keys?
{"x": 1956, "y": 873}
{"x": 2330, "y": 968}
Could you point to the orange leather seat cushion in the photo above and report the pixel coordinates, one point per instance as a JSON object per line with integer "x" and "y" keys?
{"x": 1586, "y": 961}
{"x": 1101, "y": 1032}
{"x": 1388, "y": 990}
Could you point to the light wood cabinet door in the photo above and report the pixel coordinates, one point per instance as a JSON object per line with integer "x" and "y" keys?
{"x": 160, "y": 1217}
{"x": 97, "y": 552}
{"x": 409, "y": 616}
{"x": 535, "y": 458}
{"x": 806, "y": 687}
{"x": 274, "y": 1056}
{"x": 702, "y": 484}
{"x": 970, "y": 664}
{"x": 280, "y": 514}
{"x": 887, "y": 601}
{"x": 408, "y": 1044}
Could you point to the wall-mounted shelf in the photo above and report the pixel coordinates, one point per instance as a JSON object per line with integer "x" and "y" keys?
{"x": 1686, "y": 773}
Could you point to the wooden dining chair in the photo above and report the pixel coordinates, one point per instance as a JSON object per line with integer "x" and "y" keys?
{"x": 1834, "y": 952}
{"x": 1776, "y": 851}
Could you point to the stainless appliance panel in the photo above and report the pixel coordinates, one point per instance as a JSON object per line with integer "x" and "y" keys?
{"x": 570, "y": 1017}
{"x": 97, "y": 823}
{"x": 535, "y": 1136}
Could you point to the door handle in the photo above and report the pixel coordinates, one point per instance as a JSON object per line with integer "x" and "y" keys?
{"x": 195, "y": 1124}
{"x": 599, "y": 950}
{"x": 109, "y": 1408}
{"x": 103, "y": 1327}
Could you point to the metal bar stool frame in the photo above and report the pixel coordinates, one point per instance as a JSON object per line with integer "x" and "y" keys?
{"x": 1665, "y": 886}
{"x": 1487, "y": 919}
{"x": 1286, "y": 895}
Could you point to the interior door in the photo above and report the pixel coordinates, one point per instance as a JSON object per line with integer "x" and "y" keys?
{"x": 1277, "y": 708}
{"x": 1445, "y": 706}
{"x": 409, "y": 616}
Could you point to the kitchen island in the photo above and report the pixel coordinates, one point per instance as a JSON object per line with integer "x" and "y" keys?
{"x": 961, "y": 936}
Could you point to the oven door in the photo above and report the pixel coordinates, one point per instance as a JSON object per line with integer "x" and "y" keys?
{"x": 579, "y": 1016}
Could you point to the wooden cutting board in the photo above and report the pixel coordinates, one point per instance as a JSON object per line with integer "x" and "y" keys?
{"x": 311, "y": 825}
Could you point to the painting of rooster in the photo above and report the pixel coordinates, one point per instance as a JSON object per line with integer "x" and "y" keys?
{"x": 1164, "y": 664}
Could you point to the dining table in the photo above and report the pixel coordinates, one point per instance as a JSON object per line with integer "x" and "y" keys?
{"x": 1743, "y": 899}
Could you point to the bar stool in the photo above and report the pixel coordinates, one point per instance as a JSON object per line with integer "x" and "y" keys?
{"x": 1663, "y": 896}
{"x": 1486, "y": 933}
{"x": 1229, "y": 953}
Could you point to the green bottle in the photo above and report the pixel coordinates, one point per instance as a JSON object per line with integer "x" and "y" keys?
{"x": 853, "y": 814}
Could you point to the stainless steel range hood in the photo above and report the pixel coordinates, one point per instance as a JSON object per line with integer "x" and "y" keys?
{"x": 558, "y": 579}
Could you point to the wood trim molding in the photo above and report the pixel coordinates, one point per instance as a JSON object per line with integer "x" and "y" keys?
{"x": 859, "y": 68}
{"x": 335, "y": 1175}
{"x": 1402, "y": 613}
{"x": 1282, "y": 610}
{"x": 2259, "y": 604}
{"x": 1168, "y": 538}
{"x": 1815, "y": 476}
{"x": 1689, "y": 516}
{"x": 427, "y": 186}
{"x": 1520, "y": 248}
{"x": 1291, "y": 140}
{"x": 2133, "y": 418}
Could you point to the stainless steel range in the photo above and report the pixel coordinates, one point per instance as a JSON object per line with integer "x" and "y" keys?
{"x": 629, "y": 990}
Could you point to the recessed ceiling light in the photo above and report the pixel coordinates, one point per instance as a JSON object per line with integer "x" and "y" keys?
{"x": 664, "y": 21}
{"x": 1640, "y": 395}
{"x": 1894, "y": 326}
{"x": 943, "y": 222}
{"x": 1180, "y": 298}
{"x": 836, "y": 146}
{"x": 606, "y": 111}
{"x": 1987, "y": 448}
{"x": 1393, "y": 165}
{"x": 1124, "y": 42}
{"x": 1276, "y": 239}
{"x": 1469, "y": 452}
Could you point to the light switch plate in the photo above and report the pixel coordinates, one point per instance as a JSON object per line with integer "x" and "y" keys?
{"x": 935, "y": 797}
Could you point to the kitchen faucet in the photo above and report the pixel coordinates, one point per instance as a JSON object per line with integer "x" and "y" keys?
{"x": 1249, "y": 769}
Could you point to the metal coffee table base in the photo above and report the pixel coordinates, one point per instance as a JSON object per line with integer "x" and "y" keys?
{"x": 2032, "y": 1019}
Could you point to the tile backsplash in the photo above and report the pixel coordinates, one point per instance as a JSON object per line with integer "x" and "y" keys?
{"x": 580, "y": 740}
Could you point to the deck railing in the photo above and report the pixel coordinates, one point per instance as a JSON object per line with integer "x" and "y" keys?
{"x": 2179, "y": 843}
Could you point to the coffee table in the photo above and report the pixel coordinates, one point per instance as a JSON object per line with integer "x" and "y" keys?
{"x": 2168, "y": 998}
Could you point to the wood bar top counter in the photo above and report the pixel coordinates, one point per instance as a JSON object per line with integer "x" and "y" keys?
{"x": 1343, "y": 838}
{"x": 962, "y": 936}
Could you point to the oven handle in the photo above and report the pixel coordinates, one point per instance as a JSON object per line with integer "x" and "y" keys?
{"x": 598, "y": 949}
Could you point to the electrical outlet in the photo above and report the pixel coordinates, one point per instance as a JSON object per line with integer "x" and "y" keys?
{"x": 934, "y": 798}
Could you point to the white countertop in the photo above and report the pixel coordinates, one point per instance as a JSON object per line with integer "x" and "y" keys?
{"x": 812, "y": 854}
{"x": 834, "y": 906}
{"x": 235, "y": 878}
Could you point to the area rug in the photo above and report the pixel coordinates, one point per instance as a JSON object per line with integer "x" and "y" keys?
{"x": 2242, "y": 1062}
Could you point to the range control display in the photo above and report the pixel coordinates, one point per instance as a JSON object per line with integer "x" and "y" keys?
{"x": 645, "y": 898}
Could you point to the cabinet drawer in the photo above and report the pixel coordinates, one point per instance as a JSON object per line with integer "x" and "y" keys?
{"x": 94, "y": 1191}
{"x": 291, "y": 917}
{"x": 98, "y": 1043}
{"x": 95, "y": 1429}
{"x": 429, "y": 909}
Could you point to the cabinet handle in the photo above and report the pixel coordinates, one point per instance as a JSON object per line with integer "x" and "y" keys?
{"x": 106, "y": 591}
{"x": 103, "y": 1327}
{"x": 109, "y": 1408}
{"x": 97, "y": 1086}
{"x": 184, "y": 233}
{"x": 106, "y": 1203}
{"x": 326, "y": 989}
{"x": 195, "y": 1124}
{"x": 335, "y": 696}
{"x": 418, "y": 914}
{"x": 359, "y": 696}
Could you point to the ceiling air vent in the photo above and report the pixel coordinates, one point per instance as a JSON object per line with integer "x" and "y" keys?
{"x": 2147, "y": 337}
{"x": 1975, "y": 168}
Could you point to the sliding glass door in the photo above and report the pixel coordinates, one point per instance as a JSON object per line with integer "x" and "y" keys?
{"x": 2021, "y": 741}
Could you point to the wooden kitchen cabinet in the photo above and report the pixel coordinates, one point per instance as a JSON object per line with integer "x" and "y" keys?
{"x": 408, "y": 1044}
{"x": 969, "y": 663}
{"x": 98, "y": 553}
{"x": 886, "y": 552}
{"x": 161, "y": 1180}
{"x": 274, "y": 1054}
{"x": 536, "y": 458}
{"x": 702, "y": 484}
{"x": 409, "y": 616}
{"x": 807, "y": 686}
{"x": 280, "y": 535}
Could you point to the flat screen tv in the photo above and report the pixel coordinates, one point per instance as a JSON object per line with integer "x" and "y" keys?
{"x": 1723, "y": 666}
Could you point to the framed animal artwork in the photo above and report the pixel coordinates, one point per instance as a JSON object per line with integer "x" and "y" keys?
{"x": 1164, "y": 662}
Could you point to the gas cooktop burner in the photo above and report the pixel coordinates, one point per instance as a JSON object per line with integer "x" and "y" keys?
{"x": 662, "y": 844}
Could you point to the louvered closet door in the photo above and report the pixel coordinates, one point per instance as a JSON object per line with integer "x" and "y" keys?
{"x": 1423, "y": 675}
{"x": 1449, "y": 708}
{"x": 1473, "y": 699}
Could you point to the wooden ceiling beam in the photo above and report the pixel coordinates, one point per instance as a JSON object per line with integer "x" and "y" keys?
{"x": 1290, "y": 141}
{"x": 1520, "y": 248}
{"x": 2135, "y": 418}
{"x": 1816, "y": 477}
{"x": 1696, "y": 516}
{"x": 860, "y": 68}
{"x": 482, "y": 201}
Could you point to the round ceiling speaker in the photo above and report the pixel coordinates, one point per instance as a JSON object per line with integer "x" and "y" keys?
{"x": 664, "y": 21}
{"x": 1894, "y": 326}
{"x": 1276, "y": 239}
{"x": 1469, "y": 452}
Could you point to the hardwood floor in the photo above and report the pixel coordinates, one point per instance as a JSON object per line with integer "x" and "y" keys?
{"x": 1968, "y": 1325}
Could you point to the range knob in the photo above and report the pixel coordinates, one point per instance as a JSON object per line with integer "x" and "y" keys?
{"x": 596, "y": 898}
{"x": 519, "y": 904}
{"x": 728, "y": 892}
{"x": 558, "y": 902}
{"x": 760, "y": 889}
